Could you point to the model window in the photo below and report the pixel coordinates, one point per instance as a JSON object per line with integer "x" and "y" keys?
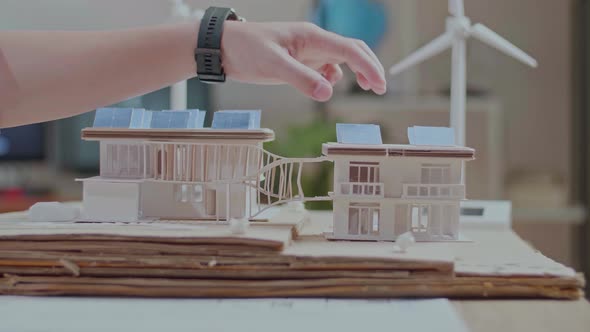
{"x": 122, "y": 160}
{"x": 364, "y": 172}
{"x": 436, "y": 174}
{"x": 420, "y": 215}
{"x": 364, "y": 179}
{"x": 188, "y": 193}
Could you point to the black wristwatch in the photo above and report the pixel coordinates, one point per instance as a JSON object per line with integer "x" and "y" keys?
{"x": 208, "y": 51}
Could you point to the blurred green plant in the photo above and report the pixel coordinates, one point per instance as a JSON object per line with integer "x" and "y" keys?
{"x": 306, "y": 141}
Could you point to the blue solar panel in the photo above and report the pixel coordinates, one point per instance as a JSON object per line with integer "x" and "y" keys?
{"x": 122, "y": 117}
{"x": 178, "y": 119}
{"x": 196, "y": 118}
{"x": 140, "y": 118}
{"x": 103, "y": 117}
{"x": 358, "y": 134}
{"x": 146, "y": 120}
{"x": 170, "y": 120}
{"x": 113, "y": 117}
{"x": 442, "y": 136}
{"x": 236, "y": 120}
{"x": 137, "y": 118}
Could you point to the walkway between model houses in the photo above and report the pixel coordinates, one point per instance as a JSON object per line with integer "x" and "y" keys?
{"x": 272, "y": 179}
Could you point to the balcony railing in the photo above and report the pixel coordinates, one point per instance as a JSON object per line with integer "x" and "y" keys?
{"x": 361, "y": 189}
{"x": 434, "y": 191}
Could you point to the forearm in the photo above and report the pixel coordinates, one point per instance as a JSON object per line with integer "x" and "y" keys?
{"x": 61, "y": 74}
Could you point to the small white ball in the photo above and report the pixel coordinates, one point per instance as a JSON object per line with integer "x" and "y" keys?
{"x": 405, "y": 241}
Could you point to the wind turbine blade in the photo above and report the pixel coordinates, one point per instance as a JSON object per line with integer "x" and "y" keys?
{"x": 498, "y": 42}
{"x": 456, "y": 8}
{"x": 429, "y": 50}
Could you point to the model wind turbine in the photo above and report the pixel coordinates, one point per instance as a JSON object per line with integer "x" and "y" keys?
{"x": 458, "y": 30}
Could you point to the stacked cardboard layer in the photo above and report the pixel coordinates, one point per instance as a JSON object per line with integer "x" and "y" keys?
{"x": 206, "y": 260}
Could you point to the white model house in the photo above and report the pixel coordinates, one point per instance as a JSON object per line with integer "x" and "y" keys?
{"x": 384, "y": 190}
{"x": 166, "y": 165}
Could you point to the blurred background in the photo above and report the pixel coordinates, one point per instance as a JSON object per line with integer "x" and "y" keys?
{"x": 530, "y": 127}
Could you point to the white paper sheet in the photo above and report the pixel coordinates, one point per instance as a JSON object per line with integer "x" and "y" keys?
{"x": 285, "y": 315}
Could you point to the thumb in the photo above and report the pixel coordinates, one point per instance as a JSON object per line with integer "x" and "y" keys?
{"x": 308, "y": 81}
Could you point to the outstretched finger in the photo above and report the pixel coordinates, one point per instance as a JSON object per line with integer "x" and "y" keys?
{"x": 363, "y": 82}
{"x": 349, "y": 51}
{"x": 372, "y": 54}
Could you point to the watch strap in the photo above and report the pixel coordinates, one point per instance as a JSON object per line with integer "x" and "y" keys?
{"x": 208, "y": 51}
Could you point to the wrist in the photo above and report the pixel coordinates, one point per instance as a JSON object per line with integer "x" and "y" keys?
{"x": 184, "y": 45}
{"x": 227, "y": 38}
{"x": 208, "y": 54}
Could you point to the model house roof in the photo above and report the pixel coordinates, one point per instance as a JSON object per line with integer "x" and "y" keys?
{"x": 179, "y": 135}
{"x": 169, "y": 125}
{"x": 397, "y": 150}
{"x": 365, "y": 140}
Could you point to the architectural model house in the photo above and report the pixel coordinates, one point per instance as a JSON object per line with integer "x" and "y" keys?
{"x": 383, "y": 190}
{"x": 165, "y": 165}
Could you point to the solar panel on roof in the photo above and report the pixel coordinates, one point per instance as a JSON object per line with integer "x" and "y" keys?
{"x": 222, "y": 120}
{"x": 196, "y": 118}
{"x": 178, "y": 120}
{"x": 137, "y": 118}
{"x": 441, "y": 136}
{"x": 103, "y": 117}
{"x": 146, "y": 120}
{"x": 169, "y": 120}
{"x": 121, "y": 118}
{"x": 358, "y": 133}
{"x": 113, "y": 117}
{"x": 236, "y": 119}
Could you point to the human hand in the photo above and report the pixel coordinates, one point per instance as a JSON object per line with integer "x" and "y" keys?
{"x": 300, "y": 54}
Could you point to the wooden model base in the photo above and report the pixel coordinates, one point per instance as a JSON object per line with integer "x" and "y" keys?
{"x": 273, "y": 259}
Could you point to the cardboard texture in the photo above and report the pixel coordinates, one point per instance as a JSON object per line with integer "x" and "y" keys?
{"x": 202, "y": 259}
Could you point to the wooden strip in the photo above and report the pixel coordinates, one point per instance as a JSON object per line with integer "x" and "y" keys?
{"x": 325, "y": 288}
{"x": 198, "y": 273}
{"x": 82, "y": 242}
{"x": 110, "y": 259}
{"x": 237, "y": 284}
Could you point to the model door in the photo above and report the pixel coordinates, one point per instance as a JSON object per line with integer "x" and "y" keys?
{"x": 364, "y": 220}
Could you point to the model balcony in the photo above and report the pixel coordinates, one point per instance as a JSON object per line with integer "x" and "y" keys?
{"x": 361, "y": 189}
{"x": 434, "y": 191}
